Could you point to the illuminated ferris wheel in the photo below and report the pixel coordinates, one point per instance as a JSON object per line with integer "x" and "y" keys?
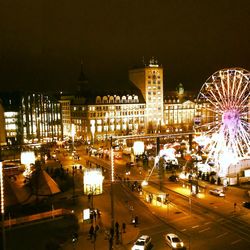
{"x": 222, "y": 114}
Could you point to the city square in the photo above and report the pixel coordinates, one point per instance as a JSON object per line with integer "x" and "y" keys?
{"x": 125, "y": 125}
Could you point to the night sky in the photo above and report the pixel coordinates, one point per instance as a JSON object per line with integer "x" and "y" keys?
{"x": 42, "y": 43}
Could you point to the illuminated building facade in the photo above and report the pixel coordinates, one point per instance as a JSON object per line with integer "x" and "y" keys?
{"x": 143, "y": 108}
{"x": 99, "y": 116}
{"x": 179, "y": 111}
{"x": 31, "y": 118}
{"x": 2, "y": 126}
{"x": 149, "y": 79}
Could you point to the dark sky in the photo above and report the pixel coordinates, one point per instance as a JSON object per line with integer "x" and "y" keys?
{"x": 42, "y": 41}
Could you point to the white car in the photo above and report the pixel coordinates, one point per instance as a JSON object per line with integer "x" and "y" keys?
{"x": 142, "y": 243}
{"x": 217, "y": 192}
{"x": 174, "y": 241}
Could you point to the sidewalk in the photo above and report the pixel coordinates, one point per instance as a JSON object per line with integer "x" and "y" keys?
{"x": 102, "y": 238}
{"x": 102, "y": 202}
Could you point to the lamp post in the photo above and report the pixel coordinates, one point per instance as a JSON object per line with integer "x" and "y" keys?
{"x": 2, "y": 204}
{"x": 112, "y": 192}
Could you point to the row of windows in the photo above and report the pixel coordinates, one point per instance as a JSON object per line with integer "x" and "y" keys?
{"x": 117, "y": 99}
{"x": 116, "y": 114}
{"x": 154, "y": 98}
{"x": 154, "y": 87}
{"x": 154, "y": 93}
{"x": 154, "y": 82}
{"x": 179, "y": 107}
{"x": 154, "y": 76}
{"x": 124, "y": 107}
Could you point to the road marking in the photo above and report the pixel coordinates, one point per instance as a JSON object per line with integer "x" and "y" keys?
{"x": 221, "y": 235}
{"x": 196, "y": 226}
{"x": 236, "y": 241}
{"x": 209, "y": 222}
{"x": 204, "y": 230}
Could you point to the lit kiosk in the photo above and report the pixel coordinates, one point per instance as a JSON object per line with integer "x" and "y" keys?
{"x": 93, "y": 185}
{"x": 28, "y": 158}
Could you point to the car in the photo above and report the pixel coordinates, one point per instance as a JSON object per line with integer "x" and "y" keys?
{"x": 246, "y": 204}
{"x": 174, "y": 241}
{"x": 142, "y": 243}
{"x": 217, "y": 192}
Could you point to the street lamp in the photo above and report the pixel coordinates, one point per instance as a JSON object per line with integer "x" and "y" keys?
{"x": 2, "y": 203}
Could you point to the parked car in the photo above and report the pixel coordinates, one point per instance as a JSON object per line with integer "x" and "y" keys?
{"x": 174, "y": 241}
{"x": 246, "y": 204}
{"x": 217, "y": 192}
{"x": 143, "y": 242}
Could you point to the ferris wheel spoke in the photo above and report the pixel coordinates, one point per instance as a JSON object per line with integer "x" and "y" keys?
{"x": 233, "y": 87}
{"x": 239, "y": 86}
{"x": 241, "y": 103}
{"x": 239, "y": 99}
{"x": 219, "y": 93}
{"x": 223, "y": 88}
{"x": 216, "y": 101}
{"x": 213, "y": 102}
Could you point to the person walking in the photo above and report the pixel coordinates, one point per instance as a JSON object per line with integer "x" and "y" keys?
{"x": 117, "y": 226}
{"x": 124, "y": 227}
{"x": 94, "y": 215}
{"x": 97, "y": 228}
{"x": 136, "y": 221}
{"x": 91, "y": 232}
{"x": 235, "y": 205}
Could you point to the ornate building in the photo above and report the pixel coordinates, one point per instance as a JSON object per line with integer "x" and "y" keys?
{"x": 99, "y": 116}
{"x": 144, "y": 107}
